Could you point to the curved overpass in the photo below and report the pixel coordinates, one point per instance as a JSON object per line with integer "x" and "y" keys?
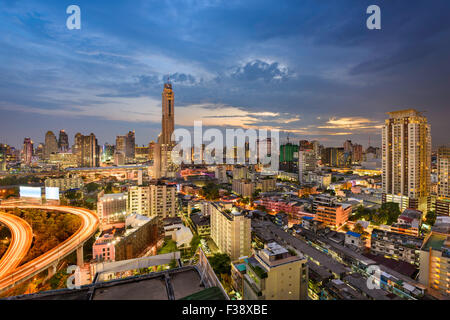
{"x": 89, "y": 224}
{"x": 21, "y": 239}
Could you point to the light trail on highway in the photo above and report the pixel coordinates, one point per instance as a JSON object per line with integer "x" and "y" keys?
{"x": 89, "y": 224}
{"x": 21, "y": 239}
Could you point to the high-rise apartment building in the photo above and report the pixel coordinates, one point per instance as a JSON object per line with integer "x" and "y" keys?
{"x": 307, "y": 162}
{"x": 63, "y": 141}
{"x": 27, "y": 151}
{"x": 230, "y": 230}
{"x": 51, "y": 144}
{"x": 406, "y": 158}
{"x": 443, "y": 160}
{"x": 163, "y": 200}
{"x": 139, "y": 200}
{"x": 243, "y": 187}
{"x": 334, "y": 157}
{"x": 87, "y": 150}
{"x": 274, "y": 273}
{"x": 240, "y": 172}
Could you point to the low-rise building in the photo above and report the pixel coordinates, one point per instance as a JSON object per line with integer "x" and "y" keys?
{"x": 396, "y": 246}
{"x": 354, "y": 239}
{"x": 274, "y": 273}
{"x": 330, "y": 212}
{"x": 201, "y": 224}
{"x": 65, "y": 183}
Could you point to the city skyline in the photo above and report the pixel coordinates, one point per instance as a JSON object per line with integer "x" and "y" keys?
{"x": 309, "y": 69}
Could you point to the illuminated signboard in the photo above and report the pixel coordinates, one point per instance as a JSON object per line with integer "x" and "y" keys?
{"x": 51, "y": 193}
{"x": 30, "y": 192}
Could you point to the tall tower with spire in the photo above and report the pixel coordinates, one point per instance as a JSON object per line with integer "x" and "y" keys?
{"x": 168, "y": 114}
{"x": 162, "y": 164}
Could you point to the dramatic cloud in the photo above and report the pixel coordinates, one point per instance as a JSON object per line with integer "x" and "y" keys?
{"x": 308, "y": 68}
{"x": 260, "y": 70}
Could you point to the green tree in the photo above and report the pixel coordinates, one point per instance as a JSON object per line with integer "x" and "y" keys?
{"x": 173, "y": 264}
{"x": 195, "y": 242}
{"x": 91, "y": 187}
{"x": 221, "y": 263}
{"x": 430, "y": 218}
{"x": 389, "y": 213}
{"x": 358, "y": 228}
{"x": 169, "y": 246}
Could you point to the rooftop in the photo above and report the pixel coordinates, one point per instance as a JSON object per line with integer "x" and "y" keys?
{"x": 181, "y": 283}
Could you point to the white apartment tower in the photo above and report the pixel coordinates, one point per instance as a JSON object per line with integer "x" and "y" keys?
{"x": 230, "y": 230}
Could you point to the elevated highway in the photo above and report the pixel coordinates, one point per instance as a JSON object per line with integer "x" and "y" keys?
{"x": 50, "y": 259}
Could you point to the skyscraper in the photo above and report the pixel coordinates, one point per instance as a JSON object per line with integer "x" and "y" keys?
{"x": 443, "y": 160}
{"x": 51, "y": 145}
{"x": 63, "y": 141}
{"x": 168, "y": 115}
{"x": 162, "y": 165}
{"x": 406, "y": 158}
{"x": 27, "y": 151}
{"x": 125, "y": 145}
{"x": 87, "y": 150}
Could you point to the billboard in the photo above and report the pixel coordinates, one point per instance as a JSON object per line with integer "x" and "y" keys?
{"x": 30, "y": 192}
{"x": 51, "y": 193}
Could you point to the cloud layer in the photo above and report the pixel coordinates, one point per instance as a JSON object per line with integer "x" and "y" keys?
{"x": 309, "y": 68}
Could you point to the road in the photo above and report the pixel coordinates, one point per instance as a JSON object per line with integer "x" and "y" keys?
{"x": 89, "y": 225}
{"x": 21, "y": 239}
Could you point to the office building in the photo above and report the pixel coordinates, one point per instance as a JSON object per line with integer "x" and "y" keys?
{"x": 406, "y": 149}
{"x": 27, "y": 151}
{"x": 274, "y": 273}
{"x": 63, "y": 142}
{"x": 51, "y": 145}
{"x": 87, "y": 150}
{"x": 230, "y": 230}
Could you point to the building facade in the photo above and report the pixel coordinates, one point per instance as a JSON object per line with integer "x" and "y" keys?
{"x": 87, "y": 150}
{"x": 274, "y": 273}
{"x": 163, "y": 200}
{"x": 406, "y": 160}
{"x": 230, "y": 230}
{"x": 111, "y": 207}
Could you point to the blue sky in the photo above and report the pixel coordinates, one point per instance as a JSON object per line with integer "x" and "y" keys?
{"x": 307, "y": 67}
